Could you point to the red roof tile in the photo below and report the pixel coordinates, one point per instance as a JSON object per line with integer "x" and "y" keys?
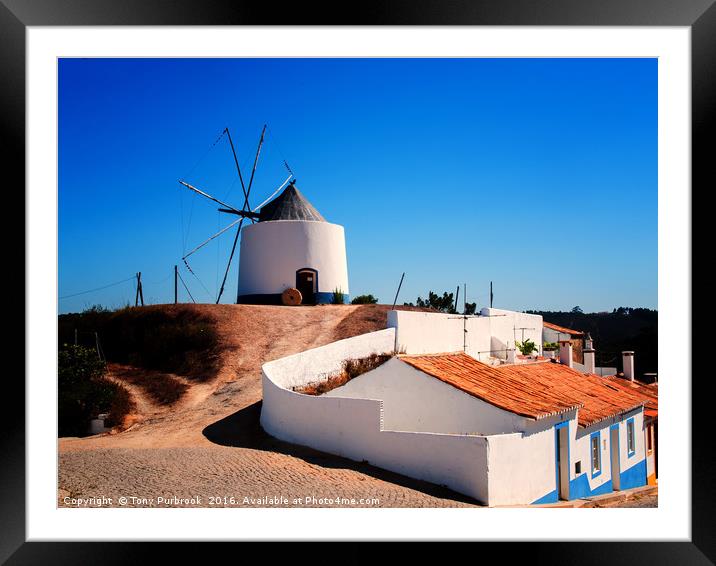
{"x": 535, "y": 390}
{"x": 647, "y": 391}
{"x": 562, "y": 329}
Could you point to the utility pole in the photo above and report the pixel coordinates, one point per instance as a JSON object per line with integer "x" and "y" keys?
{"x": 457, "y": 296}
{"x": 398, "y": 291}
{"x": 176, "y": 280}
{"x": 490, "y": 294}
{"x": 140, "y": 294}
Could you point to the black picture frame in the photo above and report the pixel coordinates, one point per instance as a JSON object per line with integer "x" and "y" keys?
{"x": 699, "y": 15}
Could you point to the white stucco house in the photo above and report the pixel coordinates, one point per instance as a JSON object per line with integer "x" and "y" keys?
{"x": 458, "y": 407}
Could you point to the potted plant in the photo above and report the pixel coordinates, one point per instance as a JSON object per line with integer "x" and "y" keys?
{"x": 550, "y": 349}
{"x": 526, "y": 347}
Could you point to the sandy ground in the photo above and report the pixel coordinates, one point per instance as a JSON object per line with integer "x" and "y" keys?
{"x": 638, "y": 501}
{"x": 210, "y": 445}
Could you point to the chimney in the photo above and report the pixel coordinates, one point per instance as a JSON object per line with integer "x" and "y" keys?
{"x": 650, "y": 378}
{"x": 589, "y": 360}
{"x": 628, "y": 365}
{"x": 511, "y": 355}
{"x": 588, "y": 342}
{"x": 565, "y": 352}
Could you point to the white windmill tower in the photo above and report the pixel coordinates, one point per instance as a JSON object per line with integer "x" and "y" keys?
{"x": 289, "y": 253}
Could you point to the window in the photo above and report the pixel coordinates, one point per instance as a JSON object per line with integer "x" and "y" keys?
{"x": 630, "y": 437}
{"x": 650, "y": 438}
{"x": 596, "y": 455}
{"x": 577, "y": 468}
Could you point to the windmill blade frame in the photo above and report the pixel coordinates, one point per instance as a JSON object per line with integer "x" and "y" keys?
{"x": 219, "y": 233}
{"x": 246, "y": 209}
{"x": 207, "y": 195}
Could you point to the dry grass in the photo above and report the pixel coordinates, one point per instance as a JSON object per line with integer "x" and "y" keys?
{"x": 176, "y": 339}
{"x": 352, "y": 368}
{"x": 162, "y": 388}
{"x": 121, "y": 406}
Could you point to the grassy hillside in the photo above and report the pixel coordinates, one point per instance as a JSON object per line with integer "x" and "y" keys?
{"x": 166, "y": 338}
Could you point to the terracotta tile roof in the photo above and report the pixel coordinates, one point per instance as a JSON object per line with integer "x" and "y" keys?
{"x": 535, "y": 390}
{"x": 562, "y": 329}
{"x": 647, "y": 391}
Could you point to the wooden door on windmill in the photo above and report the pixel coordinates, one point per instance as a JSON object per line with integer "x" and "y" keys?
{"x": 306, "y": 283}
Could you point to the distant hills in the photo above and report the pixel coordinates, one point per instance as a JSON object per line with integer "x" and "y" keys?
{"x": 624, "y": 328}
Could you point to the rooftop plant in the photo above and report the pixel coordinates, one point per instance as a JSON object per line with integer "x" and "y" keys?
{"x": 526, "y": 347}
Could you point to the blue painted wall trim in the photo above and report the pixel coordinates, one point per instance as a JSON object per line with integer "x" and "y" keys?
{"x": 275, "y": 299}
{"x": 634, "y": 476}
{"x": 551, "y": 497}
{"x": 598, "y": 436}
{"x": 630, "y": 425}
{"x": 579, "y": 488}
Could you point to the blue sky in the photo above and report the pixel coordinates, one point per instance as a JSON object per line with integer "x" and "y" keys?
{"x": 537, "y": 174}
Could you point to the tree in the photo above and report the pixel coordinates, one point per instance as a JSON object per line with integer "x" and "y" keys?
{"x": 438, "y": 303}
{"x": 470, "y": 308}
{"x": 577, "y": 310}
{"x": 82, "y": 390}
{"x": 364, "y": 300}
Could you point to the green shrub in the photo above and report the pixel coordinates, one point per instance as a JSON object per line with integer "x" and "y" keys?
{"x": 339, "y": 297}
{"x": 526, "y": 347}
{"x": 364, "y": 300}
{"x": 84, "y": 392}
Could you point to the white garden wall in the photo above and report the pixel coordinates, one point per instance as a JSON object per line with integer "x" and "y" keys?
{"x": 522, "y": 467}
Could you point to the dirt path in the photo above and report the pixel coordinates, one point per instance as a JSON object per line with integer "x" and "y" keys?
{"x": 210, "y": 443}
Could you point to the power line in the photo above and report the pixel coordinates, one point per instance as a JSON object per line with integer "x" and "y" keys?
{"x": 185, "y": 287}
{"x": 98, "y": 288}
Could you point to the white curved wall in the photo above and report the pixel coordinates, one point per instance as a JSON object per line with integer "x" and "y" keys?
{"x": 272, "y": 252}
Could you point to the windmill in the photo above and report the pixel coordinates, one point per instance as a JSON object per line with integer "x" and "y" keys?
{"x": 245, "y": 212}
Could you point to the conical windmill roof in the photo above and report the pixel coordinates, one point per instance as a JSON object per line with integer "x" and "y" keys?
{"x": 289, "y": 205}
